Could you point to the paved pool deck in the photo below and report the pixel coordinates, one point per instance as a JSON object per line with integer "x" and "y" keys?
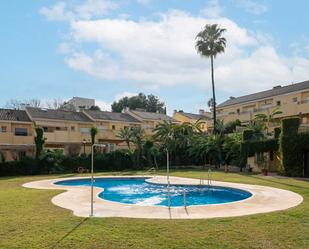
{"x": 77, "y": 199}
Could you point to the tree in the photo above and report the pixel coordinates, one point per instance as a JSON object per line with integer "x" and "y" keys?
{"x": 150, "y": 103}
{"x": 210, "y": 43}
{"x": 39, "y": 141}
{"x": 126, "y": 135}
{"x": 268, "y": 119}
{"x": 95, "y": 108}
{"x": 138, "y": 140}
{"x": 93, "y": 132}
{"x": 21, "y": 104}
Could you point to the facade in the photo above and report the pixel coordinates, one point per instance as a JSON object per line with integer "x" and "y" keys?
{"x": 149, "y": 120}
{"x": 109, "y": 125}
{"x": 291, "y": 100}
{"x": 192, "y": 118}
{"x": 62, "y": 129}
{"x": 68, "y": 130}
{"x": 81, "y": 103}
{"x": 16, "y": 135}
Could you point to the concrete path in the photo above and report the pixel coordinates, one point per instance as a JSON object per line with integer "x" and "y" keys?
{"x": 77, "y": 198}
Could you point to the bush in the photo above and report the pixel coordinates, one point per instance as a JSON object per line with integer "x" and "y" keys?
{"x": 292, "y": 147}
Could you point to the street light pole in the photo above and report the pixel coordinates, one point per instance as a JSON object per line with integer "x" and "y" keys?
{"x": 84, "y": 143}
{"x": 92, "y": 177}
{"x": 168, "y": 178}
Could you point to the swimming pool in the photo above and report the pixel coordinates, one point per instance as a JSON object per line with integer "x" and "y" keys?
{"x": 139, "y": 192}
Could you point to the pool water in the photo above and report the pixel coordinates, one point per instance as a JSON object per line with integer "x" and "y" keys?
{"x": 138, "y": 191}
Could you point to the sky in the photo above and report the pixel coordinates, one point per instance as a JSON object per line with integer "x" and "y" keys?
{"x": 107, "y": 49}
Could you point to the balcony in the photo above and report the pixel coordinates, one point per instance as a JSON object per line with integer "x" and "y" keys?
{"x": 10, "y": 138}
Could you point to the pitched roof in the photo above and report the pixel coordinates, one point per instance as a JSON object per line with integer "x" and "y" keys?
{"x": 38, "y": 113}
{"x": 152, "y": 116}
{"x": 278, "y": 90}
{"x": 194, "y": 116}
{"x": 115, "y": 116}
{"x": 14, "y": 115}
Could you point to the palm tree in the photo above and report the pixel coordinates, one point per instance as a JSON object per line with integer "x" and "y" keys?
{"x": 126, "y": 135}
{"x": 268, "y": 119}
{"x": 210, "y": 43}
{"x": 93, "y": 132}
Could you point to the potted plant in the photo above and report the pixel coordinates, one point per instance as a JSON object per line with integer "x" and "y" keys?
{"x": 262, "y": 163}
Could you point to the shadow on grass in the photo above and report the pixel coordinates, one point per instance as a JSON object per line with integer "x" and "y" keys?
{"x": 280, "y": 182}
{"x": 70, "y": 232}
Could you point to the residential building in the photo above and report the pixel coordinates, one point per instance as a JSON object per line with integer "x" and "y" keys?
{"x": 81, "y": 103}
{"x": 291, "y": 100}
{"x": 16, "y": 135}
{"x": 192, "y": 118}
{"x": 150, "y": 120}
{"x": 62, "y": 129}
{"x": 109, "y": 125}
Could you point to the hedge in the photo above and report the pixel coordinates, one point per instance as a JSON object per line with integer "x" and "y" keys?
{"x": 292, "y": 147}
{"x": 249, "y": 148}
{"x": 53, "y": 162}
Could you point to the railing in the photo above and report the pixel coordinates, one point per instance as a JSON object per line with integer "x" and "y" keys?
{"x": 209, "y": 177}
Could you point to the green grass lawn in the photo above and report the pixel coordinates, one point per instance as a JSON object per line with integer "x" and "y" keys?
{"x": 28, "y": 219}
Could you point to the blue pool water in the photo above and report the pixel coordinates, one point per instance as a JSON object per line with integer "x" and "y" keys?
{"x": 137, "y": 191}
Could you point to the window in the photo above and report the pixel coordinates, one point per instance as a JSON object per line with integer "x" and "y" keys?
{"x": 295, "y": 99}
{"x": 72, "y": 128}
{"x": 3, "y": 128}
{"x": 238, "y": 111}
{"x": 278, "y": 102}
{"x": 113, "y": 127}
{"x": 21, "y": 132}
{"x": 45, "y": 129}
{"x": 84, "y": 130}
{"x": 57, "y": 128}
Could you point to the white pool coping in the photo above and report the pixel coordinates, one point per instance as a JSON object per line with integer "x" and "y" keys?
{"x": 77, "y": 199}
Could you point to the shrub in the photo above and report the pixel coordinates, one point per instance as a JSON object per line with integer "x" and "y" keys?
{"x": 292, "y": 147}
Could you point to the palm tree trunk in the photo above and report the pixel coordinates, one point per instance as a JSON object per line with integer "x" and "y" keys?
{"x": 213, "y": 94}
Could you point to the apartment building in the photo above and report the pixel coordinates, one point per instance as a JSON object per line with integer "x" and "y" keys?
{"x": 150, "y": 120}
{"x": 79, "y": 103}
{"x": 291, "y": 100}
{"x": 16, "y": 135}
{"x": 109, "y": 125}
{"x": 192, "y": 118}
{"x": 66, "y": 129}
{"x": 61, "y": 128}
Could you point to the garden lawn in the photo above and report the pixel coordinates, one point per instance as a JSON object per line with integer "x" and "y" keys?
{"x": 28, "y": 219}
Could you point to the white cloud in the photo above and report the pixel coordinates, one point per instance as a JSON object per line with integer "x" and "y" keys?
{"x": 103, "y": 105}
{"x": 62, "y": 11}
{"x": 161, "y": 53}
{"x": 56, "y": 13}
{"x": 212, "y": 10}
{"x": 252, "y": 6}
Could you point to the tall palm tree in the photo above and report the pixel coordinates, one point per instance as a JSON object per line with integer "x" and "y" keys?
{"x": 126, "y": 135}
{"x": 210, "y": 43}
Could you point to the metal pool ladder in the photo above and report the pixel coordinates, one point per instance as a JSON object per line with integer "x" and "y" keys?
{"x": 209, "y": 177}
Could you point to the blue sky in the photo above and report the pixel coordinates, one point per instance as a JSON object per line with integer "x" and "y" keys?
{"x": 106, "y": 49}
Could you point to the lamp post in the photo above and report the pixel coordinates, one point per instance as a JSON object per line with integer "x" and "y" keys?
{"x": 84, "y": 144}
{"x": 92, "y": 177}
{"x": 168, "y": 179}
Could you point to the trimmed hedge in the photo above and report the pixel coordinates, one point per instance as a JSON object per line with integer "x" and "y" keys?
{"x": 292, "y": 147}
{"x": 55, "y": 162}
